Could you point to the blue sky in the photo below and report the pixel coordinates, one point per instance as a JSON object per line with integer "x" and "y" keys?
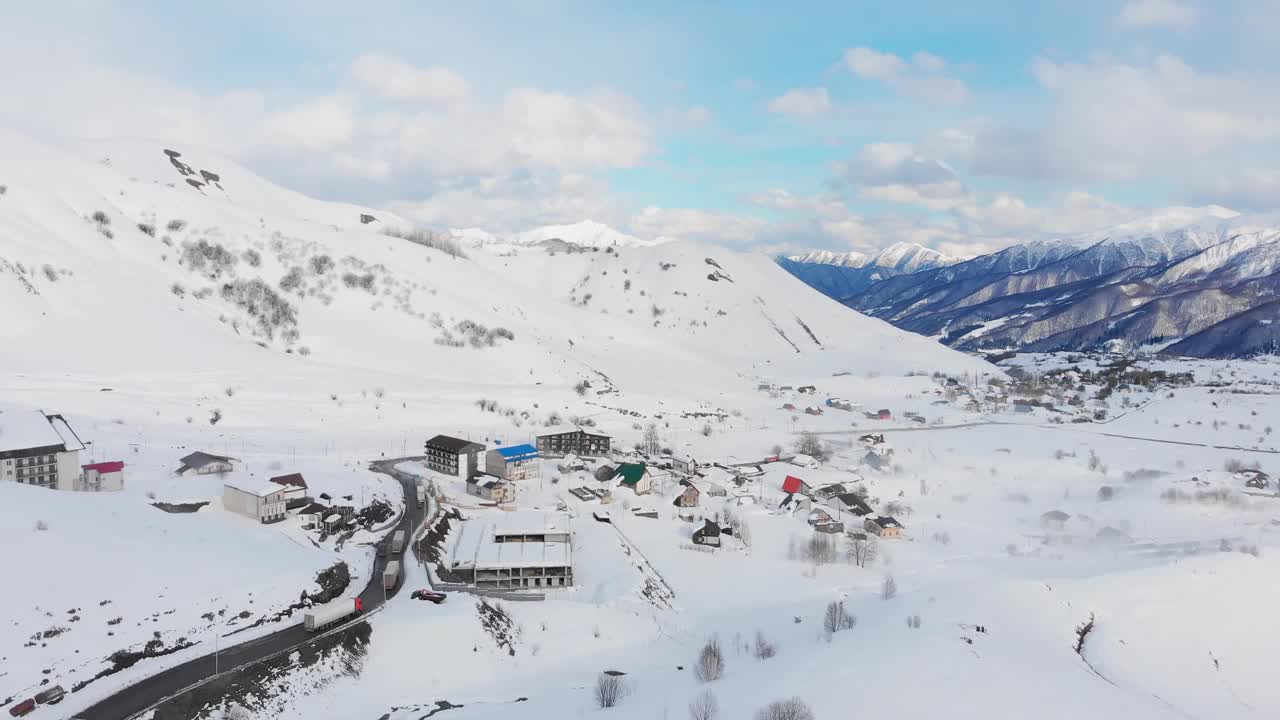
{"x": 847, "y": 125}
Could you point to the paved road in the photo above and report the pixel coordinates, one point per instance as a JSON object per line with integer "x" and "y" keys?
{"x": 152, "y": 690}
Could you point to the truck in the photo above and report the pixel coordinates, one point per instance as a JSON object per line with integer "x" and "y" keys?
{"x": 397, "y": 542}
{"x": 422, "y": 496}
{"x": 322, "y": 617}
{"x": 50, "y": 696}
{"x": 391, "y": 575}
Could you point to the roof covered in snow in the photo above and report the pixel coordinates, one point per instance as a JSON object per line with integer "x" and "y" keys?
{"x": 22, "y": 429}
{"x": 476, "y": 548}
{"x": 253, "y": 486}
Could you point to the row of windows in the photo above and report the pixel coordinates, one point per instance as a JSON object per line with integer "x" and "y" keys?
{"x": 34, "y": 460}
{"x": 37, "y": 471}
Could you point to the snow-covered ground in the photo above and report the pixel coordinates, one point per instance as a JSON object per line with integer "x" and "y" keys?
{"x": 180, "y": 323}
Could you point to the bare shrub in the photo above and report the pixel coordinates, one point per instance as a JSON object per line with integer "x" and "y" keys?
{"x": 889, "y": 589}
{"x": 764, "y": 649}
{"x": 147, "y": 229}
{"x": 609, "y": 690}
{"x": 41, "y": 526}
{"x": 215, "y": 417}
{"x": 789, "y": 709}
{"x": 819, "y": 549}
{"x": 262, "y": 303}
{"x": 50, "y": 274}
{"x": 321, "y": 264}
{"x": 704, "y": 706}
{"x": 211, "y": 259}
{"x": 252, "y": 257}
{"x": 176, "y": 225}
{"x": 100, "y": 218}
{"x": 446, "y": 244}
{"x": 710, "y": 664}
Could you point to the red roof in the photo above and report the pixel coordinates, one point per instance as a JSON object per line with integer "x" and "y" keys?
{"x": 105, "y": 467}
{"x": 290, "y": 480}
{"x": 792, "y": 484}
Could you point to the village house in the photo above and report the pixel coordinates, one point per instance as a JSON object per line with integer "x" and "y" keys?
{"x": 635, "y": 476}
{"x": 795, "y": 502}
{"x": 1054, "y": 520}
{"x": 254, "y": 499}
{"x": 828, "y": 527}
{"x": 39, "y": 449}
{"x": 295, "y": 489}
{"x": 689, "y": 495}
{"x": 101, "y": 477}
{"x": 517, "y": 550}
{"x": 883, "y": 526}
{"x": 313, "y": 514}
{"x": 708, "y": 534}
{"x": 813, "y": 410}
{"x": 792, "y": 485}
{"x": 684, "y": 464}
{"x": 825, "y": 492}
{"x": 1110, "y": 534}
{"x": 1254, "y": 479}
{"x": 884, "y": 414}
{"x": 807, "y": 389}
{"x": 872, "y": 439}
{"x": 848, "y": 504}
{"x": 878, "y": 458}
{"x": 516, "y": 462}
{"x": 804, "y": 461}
{"x": 454, "y": 457}
{"x": 203, "y": 463}
{"x": 839, "y": 404}
{"x": 564, "y": 440}
{"x": 491, "y": 487}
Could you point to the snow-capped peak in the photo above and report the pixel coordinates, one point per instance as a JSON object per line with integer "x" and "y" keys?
{"x": 904, "y": 257}
{"x": 586, "y": 233}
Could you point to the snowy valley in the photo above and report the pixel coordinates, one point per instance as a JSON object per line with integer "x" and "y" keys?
{"x": 826, "y": 507}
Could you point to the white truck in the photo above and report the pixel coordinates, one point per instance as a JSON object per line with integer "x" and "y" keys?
{"x": 391, "y": 575}
{"x": 397, "y": 542}
{"x": 322, "y": 617}
{"x": 422, "y": 496}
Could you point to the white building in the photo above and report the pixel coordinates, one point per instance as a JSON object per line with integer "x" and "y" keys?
{"x": 522, "y": 549}
{"x": 684, "y": 464}
{"x": 39, "y": 449}
{"x": 102, "y": 477}
{"x": 260, "y": 500}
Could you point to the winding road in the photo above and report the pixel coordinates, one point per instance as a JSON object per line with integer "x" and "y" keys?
{"x": 156, "y": 689}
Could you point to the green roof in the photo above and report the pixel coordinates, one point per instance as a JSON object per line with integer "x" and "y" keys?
{"x": 630, "y": 472}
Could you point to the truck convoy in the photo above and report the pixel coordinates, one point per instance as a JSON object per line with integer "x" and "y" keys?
{"x": 422, "y": 496}
{"x": 397, "y": 542}
{"x": 391, "y": 575}
{"x": 322, "y": 617}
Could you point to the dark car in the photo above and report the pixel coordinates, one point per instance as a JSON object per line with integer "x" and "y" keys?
{"x": 431, "y": 595}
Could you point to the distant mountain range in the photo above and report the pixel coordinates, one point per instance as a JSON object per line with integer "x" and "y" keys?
{"x": 1204, "y": 290}
{"x": 585, "y": 234}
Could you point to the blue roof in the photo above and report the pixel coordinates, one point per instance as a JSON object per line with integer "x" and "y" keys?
{"x": 518, "y": 452}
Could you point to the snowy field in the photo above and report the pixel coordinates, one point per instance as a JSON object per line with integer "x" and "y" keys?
{"x": 377, "y": 343}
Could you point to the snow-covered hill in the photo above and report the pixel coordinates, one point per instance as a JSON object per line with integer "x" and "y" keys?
{"x": 900, "y": 257}
{"x": 584, "y": 234}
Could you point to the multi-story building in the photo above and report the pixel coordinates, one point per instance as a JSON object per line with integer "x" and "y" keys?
{"x": 39, "y": 449}
{"x": 561, "y": 441}
{"x": 454, "y": 456}
{"x": 517, "y": 462}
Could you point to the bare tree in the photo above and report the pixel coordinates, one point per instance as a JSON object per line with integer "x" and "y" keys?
{"x": 652, "y": 441}
{"x": 820, "y": 550}
{"x": 811, "y": 445}
{"x": 862, "y": 551}
{"x": 609, "y": 690}
{"x": 710, "y": 664}
{"x": 835, "y": 619}
{"x": 789, "y": 709}
{"x": 704, "y": 706}
{"x": 764, "y": 649}
{"x": 889, "y": 589}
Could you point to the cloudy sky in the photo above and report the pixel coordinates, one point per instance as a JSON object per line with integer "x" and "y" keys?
{"x": 844, "y": 125}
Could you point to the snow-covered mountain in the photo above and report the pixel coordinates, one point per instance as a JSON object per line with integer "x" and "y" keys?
{"x": 584, "y": 234}
{"x": 900, "y": 257}
{"x": 1146, "y": 283}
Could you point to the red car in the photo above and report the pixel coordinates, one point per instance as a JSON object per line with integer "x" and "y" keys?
{"x": 23, "y": 707}
{"x": 431, "y": 595}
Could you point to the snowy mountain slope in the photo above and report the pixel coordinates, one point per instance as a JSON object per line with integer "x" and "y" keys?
{"x": 1079, "y": 292}
{"x": 584, "y": 234}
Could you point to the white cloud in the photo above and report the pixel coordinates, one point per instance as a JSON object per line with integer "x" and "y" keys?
{"x": 900, "y": 173}
{"x": 393, "y": 79}
{"x": 697, "y": 224}
{"x": 1111, "y": 120}
{"x": 868, "y": 63}
{"x": 801, "y": 102}
{"x": 1157, "y": 12}
{"x": 923, "y": 77}
{"x": 314, "y": 125}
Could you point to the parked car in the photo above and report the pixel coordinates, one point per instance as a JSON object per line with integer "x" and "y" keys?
{"x": 431, "y": 595}
{"x": 23, "y": 707}
{"x": 51, "y": 696}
